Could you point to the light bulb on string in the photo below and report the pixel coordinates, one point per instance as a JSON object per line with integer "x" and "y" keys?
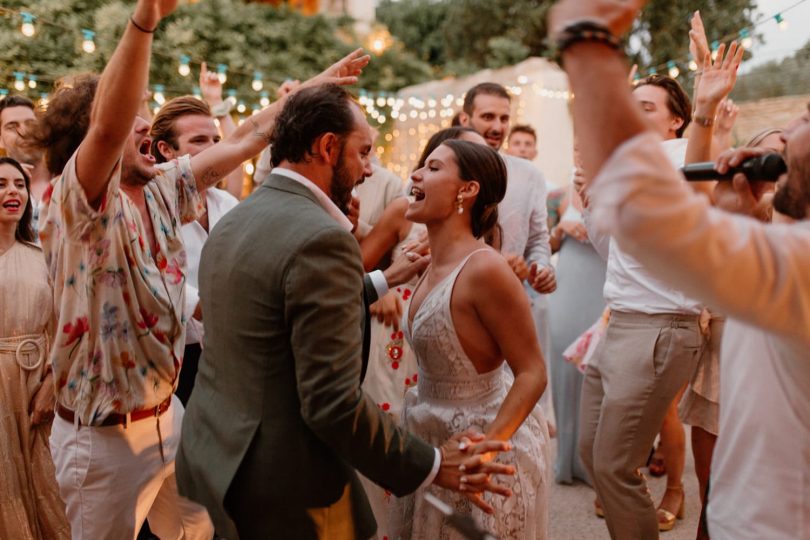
{"x": 250, "y": 168}
{"x": 43, "y": 100}
{"x": 88, "y": 43}
{"x": 265, "y": 100}
{"x": 693, "y": 65}
{"x": 27, "y": 27}
{"x": 231, "y": 96}
{"x": 197, "y": 93}
{"x": 745, "y": 38}
{"x": 159, "y": 98}
{"x": 673, "y": 69}
{"x": 184, "y": 69}
{"x": 222, "y": 73}
{"x": 780, "y": 21}
{"x": 241, "y": 108}
{"x": 32, "y": 81}
{"x": 19, "y": 81}
{"x": 715, "y": 47}
{"x": 257, "y": 83}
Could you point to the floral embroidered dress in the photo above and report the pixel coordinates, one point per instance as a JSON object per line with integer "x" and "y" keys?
{"x": 392, "y": 370}
{"x": 120, "y": 334}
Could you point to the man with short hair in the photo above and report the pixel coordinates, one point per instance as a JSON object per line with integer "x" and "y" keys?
{"x": 756, "y": 273}
{"x": 17, "y": 118}
{"x": 522, "y": 142}
{"x": 522, "y": 215}
{"x": 622, "y": 414}
{"x": 277, "y": 402}
{"x": 185, "y": 126}
{"x": 111, "y": 235}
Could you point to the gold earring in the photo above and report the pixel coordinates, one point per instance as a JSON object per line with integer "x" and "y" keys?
{"x": 459, "y": 204}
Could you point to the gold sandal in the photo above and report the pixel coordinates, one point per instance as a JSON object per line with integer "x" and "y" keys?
{"x": 666, "y": 519}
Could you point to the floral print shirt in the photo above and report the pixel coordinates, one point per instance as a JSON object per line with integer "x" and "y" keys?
{"x": 118, "y": 345}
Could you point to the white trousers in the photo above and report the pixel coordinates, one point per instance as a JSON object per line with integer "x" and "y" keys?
{"x": 113, "y": 478}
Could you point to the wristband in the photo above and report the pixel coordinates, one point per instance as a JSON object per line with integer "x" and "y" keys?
{"x": 141, "y": 28}
{"x": 703, "y": 121}
{"x": 221, "y": 110}
{"x": 586, "y": 30}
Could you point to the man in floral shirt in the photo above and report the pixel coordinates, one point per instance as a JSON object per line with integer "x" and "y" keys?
{"x": 111, "y": 234}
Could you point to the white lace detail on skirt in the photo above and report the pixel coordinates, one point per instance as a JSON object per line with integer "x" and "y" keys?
{"x": 451, "y": 397}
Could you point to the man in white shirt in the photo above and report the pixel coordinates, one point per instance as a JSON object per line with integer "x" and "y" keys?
{"x": 624, "y": 404}
{"x": 522, "y": 215}
{"x": 756, "y": 273}
{"x": 185, "y": 126}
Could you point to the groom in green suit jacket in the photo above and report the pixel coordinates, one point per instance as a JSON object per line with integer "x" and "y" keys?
{"x": 277, "y": 423}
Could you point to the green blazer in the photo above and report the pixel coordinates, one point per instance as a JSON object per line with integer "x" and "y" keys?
{"x": 277, "y": 422}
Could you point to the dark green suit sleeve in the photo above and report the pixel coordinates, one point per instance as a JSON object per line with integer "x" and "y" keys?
{"x": 323, "y": 295}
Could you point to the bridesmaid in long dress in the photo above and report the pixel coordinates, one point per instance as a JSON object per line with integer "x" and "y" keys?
{"x": 468, "y": 316}
{"x": 30, "y": 507}
{"x": 576, "y": 304}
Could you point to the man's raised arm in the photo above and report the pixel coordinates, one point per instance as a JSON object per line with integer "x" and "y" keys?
{"x": 255, "y": 132}
{"x": 118, "y": 98}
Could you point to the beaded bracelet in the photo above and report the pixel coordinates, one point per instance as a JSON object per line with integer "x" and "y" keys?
{"x": 587, "y": 30}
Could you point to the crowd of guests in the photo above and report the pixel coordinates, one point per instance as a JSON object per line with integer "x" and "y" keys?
{"x": 313, "y": 361}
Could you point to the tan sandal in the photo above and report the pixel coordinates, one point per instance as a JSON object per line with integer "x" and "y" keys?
{"x": 666, "y": 519}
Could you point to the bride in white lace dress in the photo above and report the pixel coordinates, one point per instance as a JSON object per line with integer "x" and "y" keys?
{"x": 467, "y": 315}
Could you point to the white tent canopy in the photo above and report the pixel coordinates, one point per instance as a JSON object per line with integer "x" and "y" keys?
{"x": 540, "y": 98}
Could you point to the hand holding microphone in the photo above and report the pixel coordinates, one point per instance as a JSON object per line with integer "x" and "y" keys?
{"x": 758, "y": 165}
{"x": 747, "y": 194}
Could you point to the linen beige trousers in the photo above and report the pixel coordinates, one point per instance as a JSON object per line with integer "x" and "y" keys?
{"x": 642, "y": 363}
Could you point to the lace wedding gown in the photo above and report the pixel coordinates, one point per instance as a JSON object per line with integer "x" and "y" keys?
{"x": 451, "y": 397}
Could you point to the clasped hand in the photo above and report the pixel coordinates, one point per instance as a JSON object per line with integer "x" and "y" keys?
{"x": 468, "y": 466}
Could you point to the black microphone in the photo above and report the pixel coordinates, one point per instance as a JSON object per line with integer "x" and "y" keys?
{"x": 767, "y": 168}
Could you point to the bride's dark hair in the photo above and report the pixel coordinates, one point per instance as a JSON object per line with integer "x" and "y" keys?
{"x": 484, "y": 165}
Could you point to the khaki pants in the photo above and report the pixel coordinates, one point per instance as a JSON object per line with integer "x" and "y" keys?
{"x": 642, "y": 363}
{"x": 112, "y": 478}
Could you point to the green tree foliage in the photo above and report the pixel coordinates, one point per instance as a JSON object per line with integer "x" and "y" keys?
{"x": 278, "y": 42}
{"x": 465, "y": 35}
{"x": 419, "y": 25}
{"x": 461, "y": 36}
{"x": 663, "y": 28}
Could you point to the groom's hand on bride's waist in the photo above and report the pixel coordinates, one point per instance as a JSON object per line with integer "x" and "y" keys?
{"x": 467, "y": 466}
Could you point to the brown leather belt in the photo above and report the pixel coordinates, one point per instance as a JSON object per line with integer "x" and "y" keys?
{"x": 115, "y": 419}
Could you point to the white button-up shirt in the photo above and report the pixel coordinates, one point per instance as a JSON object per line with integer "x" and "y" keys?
{"x": 219, "y": 203}
{"x": 759, "y": 275}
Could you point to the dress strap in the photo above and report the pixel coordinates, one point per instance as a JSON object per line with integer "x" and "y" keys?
{"x": 463, "y": 263}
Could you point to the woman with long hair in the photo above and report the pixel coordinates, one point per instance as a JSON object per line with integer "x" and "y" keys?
{"x": 468, "y": 315}
{"x": 30, "y": 507}
{"x": 392, "y": 368}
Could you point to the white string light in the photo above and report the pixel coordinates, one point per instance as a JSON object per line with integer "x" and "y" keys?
{"x": 27, "y": 28}
{"x": 88, "y": 44}
{"x": 184, "y": 69}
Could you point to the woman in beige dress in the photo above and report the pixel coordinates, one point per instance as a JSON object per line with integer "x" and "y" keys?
{"x": 30, "y": 507}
